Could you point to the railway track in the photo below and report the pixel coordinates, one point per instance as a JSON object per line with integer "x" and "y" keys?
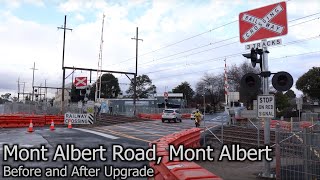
{"x": 139, "y": 129}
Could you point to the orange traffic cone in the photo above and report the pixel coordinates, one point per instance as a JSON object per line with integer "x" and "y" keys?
{"x": 52, "y": 125}
{"x": 69, "y": 125}
{"x": 30, "y": 129}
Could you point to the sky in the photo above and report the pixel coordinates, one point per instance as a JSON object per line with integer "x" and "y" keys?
{"x": 182, "y": 40}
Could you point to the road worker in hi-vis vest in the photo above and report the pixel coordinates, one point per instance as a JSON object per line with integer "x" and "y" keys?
{"x": 197, "y": 118}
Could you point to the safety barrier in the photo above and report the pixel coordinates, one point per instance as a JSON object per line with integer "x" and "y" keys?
{"x": 158, "y": 116}
{"x": 179, "y": 170}
{"x": 289, "y": 126}
{"x": 15, "y": 121}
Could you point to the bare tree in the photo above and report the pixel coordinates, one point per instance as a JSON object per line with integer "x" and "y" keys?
{"x": 212, "y": 86}
{"x": 235, "y": 74}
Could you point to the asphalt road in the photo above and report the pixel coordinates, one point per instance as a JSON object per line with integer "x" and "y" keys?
{"x": 63, "y": 136}
{"x": 129, "y": 135}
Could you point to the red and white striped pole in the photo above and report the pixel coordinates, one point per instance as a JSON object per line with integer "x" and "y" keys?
{"x": 226, "y": 87}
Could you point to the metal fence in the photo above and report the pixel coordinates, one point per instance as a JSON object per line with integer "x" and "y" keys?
{"x": 296, "y": 150}
{"x": 32, "y": 108}
{"x": 298, "y": 154}
{"x": 43, "y": 108}
{"x": 128, "y": 110}
{"x": 309, "y": 116}
{"x": 35, "y": 108}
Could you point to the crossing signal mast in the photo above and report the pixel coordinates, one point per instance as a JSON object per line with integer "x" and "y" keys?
{"x": 260, "y": 24}
{"x": 99, "y": 71}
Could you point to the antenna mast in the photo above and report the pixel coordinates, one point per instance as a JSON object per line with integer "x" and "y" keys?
{"x": 99, "y": 71}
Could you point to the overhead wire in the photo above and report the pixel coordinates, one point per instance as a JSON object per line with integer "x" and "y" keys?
{"x": 237, "y": 54}
{"x": 151, "y": 61}
{"x": 232, "y": 55}
{"x": 292, "y": 42}
{"x": 194, "y": 36}
{"x": 180, "y": 41}
{"x": 302, "y": 54}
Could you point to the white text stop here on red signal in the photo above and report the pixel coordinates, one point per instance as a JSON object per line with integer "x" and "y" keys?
{"x": 266, "y": 106}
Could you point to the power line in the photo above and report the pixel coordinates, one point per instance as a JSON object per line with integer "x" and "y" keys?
{"x": 294, "y": 55}
{"x": 216, "y": 43}
{"x": 202, "y": 34}
{"x": 172, "y": 44}
{"x": 238, "y": 54}
{"x": 314, "y": 52}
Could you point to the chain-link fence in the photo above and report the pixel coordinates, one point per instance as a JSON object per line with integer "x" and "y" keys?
{"x": 43, "y": 108}
{"x": 128, "y": 110}
{"x": 31, "y": 108}
{"x": 36, "y": 108}
{"x": 309, "y": 116}
{"x": 298, "y": 154}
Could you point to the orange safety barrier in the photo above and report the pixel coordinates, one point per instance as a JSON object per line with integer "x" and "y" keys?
{"x": 179, "y": 170}
{"x": 158, "y": 116}
{"x": 305, "y": 124}
{"x": 186, "y": 116}
{"x": 14, "y": 121}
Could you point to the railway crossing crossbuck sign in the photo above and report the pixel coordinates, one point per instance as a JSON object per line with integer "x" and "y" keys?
{"x": 262, "y": 23}
{"x": 80, "y": 82}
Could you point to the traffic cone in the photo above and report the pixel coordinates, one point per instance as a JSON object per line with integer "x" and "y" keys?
{"x": 52, "y": 125}
{"x": 30, "y": 129}
{"x": 69, "y": 125}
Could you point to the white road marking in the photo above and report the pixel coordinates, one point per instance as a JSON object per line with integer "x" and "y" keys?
{"x": 97, "y": 133}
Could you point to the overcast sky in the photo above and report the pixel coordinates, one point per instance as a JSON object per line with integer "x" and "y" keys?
{"x": 181, "y": 41}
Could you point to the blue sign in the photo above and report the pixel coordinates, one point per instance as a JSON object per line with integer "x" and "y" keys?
{"x": 104, "y": 107}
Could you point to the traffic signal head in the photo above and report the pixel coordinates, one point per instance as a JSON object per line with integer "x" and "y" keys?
{"x": 250, "y": 83}
{"x": 253, "y": 56}
{"x": 82, "y": 92}
{"x": 282, "y": 81}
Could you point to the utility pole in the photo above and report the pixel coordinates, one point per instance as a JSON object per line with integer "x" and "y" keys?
{"x": 24, "y": 84}
{"x": 226, "y": 91}
{"x": 45, "y": 95}
{"x": 136, "y": 74}
{"x": 99, "y": 71}
{"x": 267, "y": 120}
{"x": 33, "y": 69}
{"x": 63, "y": 69}
{"x": 18, "y": 88}
{"x": 40, "y": 92}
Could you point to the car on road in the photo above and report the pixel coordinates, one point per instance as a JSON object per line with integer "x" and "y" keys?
{"x": 171, "y": 115}
{"x": 192, "y": 115}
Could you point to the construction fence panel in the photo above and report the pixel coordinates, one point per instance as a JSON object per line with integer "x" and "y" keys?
{"x": 299, "y": 154}
{"x": 309, "y": 116}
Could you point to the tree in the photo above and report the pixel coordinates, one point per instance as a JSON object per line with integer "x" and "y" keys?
{"x": 290, "y": 94}
{"x": 212, "y": 86}
{"x": 282, "y": 101}
{"x": 6, "y": 96}
{"x": 235, "y": 73}
{"x": 186, "y": 89}
{"x": 75, "y": 94}
{"x": 144, "y": 87}
{"x": 109, "y": 87}
{"x": 309, "y": 83}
